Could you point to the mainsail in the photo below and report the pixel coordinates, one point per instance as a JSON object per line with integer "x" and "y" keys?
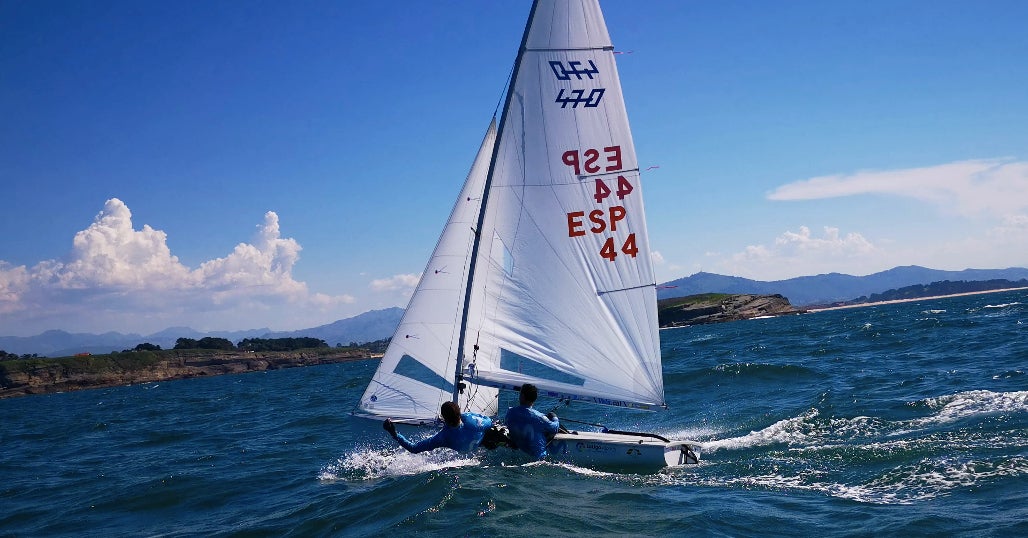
{"x": 563, "y": 294}
{"x": 416, "y": 374}
{"x": 543, "y": 272}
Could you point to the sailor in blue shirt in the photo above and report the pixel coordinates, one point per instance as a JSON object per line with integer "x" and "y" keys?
{"x": 461, "y": 432}
{"x": 530, "y": 430}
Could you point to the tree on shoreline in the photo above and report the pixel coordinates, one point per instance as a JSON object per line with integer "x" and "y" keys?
{"x": 206, "y": 342}
{"x": 280, "y": 344}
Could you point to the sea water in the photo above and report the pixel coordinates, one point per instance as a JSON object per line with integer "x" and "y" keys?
{"x": 907, "y": 419}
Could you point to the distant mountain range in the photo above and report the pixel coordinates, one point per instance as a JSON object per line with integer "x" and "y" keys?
{"x": 367, "y": 327}
{"x": 830, "y": 288}
{"x": 378, "y": 324}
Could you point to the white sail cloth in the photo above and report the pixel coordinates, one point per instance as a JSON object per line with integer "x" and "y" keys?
{"x": 417, "y": 372}
{"x": 561, "y": 292}
{"x": 564, "y": 293}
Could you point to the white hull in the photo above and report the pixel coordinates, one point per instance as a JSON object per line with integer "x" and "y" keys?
{"x": 621, "y": 451}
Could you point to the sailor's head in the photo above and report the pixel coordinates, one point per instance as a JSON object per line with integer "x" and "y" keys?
{"x": 528, "y": 394}
{"x": 451, "y": 413}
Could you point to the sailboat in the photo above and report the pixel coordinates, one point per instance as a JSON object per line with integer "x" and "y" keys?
{"x": 542, "y": 274}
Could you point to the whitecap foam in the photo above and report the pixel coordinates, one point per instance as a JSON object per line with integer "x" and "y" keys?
{"x": 366, "y": 463}
{"x": 703, "y": 338}
{"x": 804, "y": 431}
{"x": 961, "y": 405}
{"x": 1003, "y": 305}
{"x": 687, "y": 434}
{"x": 584, "y": 471}
{"x": 791, "y": 430}
{"x": 933, "y": 477}
{"x": 925, "y": 480}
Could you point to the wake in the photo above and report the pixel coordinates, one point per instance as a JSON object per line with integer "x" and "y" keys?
{"x": 810, "y": 428}
{"x": 879, "y": 461}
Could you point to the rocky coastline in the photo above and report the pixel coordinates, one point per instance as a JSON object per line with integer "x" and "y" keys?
{"x": 46, "y": 376}
{"x": 718, "y": 308}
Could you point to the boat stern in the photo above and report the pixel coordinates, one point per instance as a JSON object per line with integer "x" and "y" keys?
{"x": 622, "y": 451}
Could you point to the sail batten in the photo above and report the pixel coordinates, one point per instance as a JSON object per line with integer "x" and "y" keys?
{"x": 610, "y": 48}
{"x": 604, "y": 292}
{"x": 606, "y": 174}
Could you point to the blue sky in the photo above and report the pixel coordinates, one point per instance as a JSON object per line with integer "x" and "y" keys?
{"x": 229, "y": 165}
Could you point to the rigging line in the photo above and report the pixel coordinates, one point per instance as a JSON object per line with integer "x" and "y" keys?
{"x": 561, "y": 403}
{"x": 472, "y": 394}
{"x": 503, "y": 92}
{"x": 582, "y": 422}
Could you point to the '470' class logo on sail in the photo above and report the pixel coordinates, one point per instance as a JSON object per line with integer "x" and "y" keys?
{"x": 602, "y": 220}
{"x": 575, "y": 97}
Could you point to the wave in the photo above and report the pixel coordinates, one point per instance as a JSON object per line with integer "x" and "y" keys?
{"x": 762, "y": 370}
{"x": 583, "y": 471}
{"x": 810, "y": 428}
{"x": 690, "y": 434}
{"x": 706, "y": 337}
{"x": 931, "y": 478}
{"x": 972, "y": 403}
{"x": 924, "y": 480}
{"x": 875, "y": 460}
{"x": 370, "y": 464}
{"x": 1004, "y": 305}
{"x": 793, "y": 430}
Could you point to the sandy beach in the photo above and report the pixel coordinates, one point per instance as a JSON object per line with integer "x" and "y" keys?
{"x": 911, "y": 299}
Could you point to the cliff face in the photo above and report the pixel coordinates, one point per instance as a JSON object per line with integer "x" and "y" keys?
{"x": 56, "y": 375}
{"x": 716, "y": 308}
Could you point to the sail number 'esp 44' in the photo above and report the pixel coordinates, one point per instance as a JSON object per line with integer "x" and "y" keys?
{"x": 600, "y": 221}
{"x": 606, "y": 160}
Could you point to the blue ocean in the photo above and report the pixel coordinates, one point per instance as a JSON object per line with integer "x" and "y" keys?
{"x": 906, "y": 419}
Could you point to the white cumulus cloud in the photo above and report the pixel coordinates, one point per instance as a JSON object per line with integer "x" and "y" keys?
{"x": 117, "y": 278}
{"x": 405, "y": 282}
{"x": 14, "y": 281}
{"x": 832, "y": 243}
{"x": 267, "y": 263}
{"x": 802, "y": 251}
{"x": 111, "y": 254}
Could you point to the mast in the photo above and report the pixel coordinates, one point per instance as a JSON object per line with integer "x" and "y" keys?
{"x": 462, "y": 341}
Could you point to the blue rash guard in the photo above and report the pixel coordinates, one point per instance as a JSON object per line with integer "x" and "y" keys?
{"x": 530, "y": 430}
{"x": 463, "y": 438}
